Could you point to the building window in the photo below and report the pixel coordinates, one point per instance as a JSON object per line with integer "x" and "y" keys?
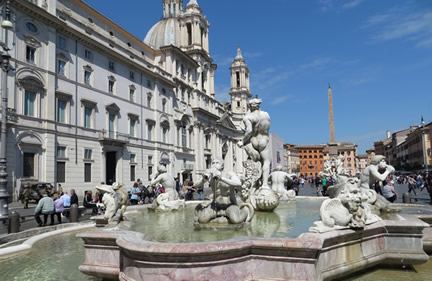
{"x": 132, "y": 75}
{"x": 163, "y": 105}
{"x": 132, "y": 158}
{"x": 28, "y": 165}
{"x": 87, "y": 77}
{"x": 132, "y": 172}
{"x": 150, "y": 166}
{"x": 149, "y": 84}
{"x": 132, "y": 94}
{"x": 61, "y": 67}
{"x": 61, "y": 152}
{"x": 87, "y": 172}
{"x": 88, "y": 154}
{"x": 61, "y": 110}
{"x": 111, "y": 65}
{"x": 182, "y": 94}
{"x": 183, "y": 135}
{"x": 31, "y": 27}
{"x": 111, "y": 125}
{"x": 88, "y": 112}
{"x": 62, "y": 42}
{"x": 149, "y": 100}
{"x": 190, "y": 139}
{"x": 30, "y": 54}
{"x": 111, "y": 86}
{"x": 88, "y": 54}
{"x": 164, "y": 134}
{"x": 61, "y": 171}
{"x": 132, "y": 127}
{"x": 207, "y": 141}
{"x": 149, "y": 131}
{"x": 29, "y": 103}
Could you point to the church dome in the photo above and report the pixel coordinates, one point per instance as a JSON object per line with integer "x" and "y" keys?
{"x": 164, "y": 33}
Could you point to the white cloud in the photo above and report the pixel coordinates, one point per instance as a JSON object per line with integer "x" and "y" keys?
{"x": 403, "y": 23}
{"x": 336, "y": 4}
{"x": 280, "y": 100}
{"x": 270, "y": 79}
{"x": 352, "y": 4}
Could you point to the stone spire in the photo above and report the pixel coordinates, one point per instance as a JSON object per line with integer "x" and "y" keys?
{"x": 239, "y": 54}
{"x": 192, "y": 2}
{"x": 331, "y": 117}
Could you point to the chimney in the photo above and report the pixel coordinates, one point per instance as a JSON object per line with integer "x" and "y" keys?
{"x": 388, "y": 134}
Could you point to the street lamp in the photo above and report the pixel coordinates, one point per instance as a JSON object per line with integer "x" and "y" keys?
{"x": 6, "y": 67}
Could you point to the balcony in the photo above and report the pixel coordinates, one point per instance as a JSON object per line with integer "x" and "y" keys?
{"x": 113, "y": 138}
{"x": 188, "y": 167}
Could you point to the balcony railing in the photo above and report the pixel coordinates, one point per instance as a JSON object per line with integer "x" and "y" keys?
{"x": 188, "y": 166}
{"x": 113, "y": 136}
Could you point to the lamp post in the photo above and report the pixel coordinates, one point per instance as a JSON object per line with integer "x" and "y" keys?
{"x": 5, "y": 66}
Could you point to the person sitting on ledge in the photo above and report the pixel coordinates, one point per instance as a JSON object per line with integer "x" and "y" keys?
{"x": 389, "y": 192}
{"x": 45, "y": 207}
{"x": 89, "y": 204}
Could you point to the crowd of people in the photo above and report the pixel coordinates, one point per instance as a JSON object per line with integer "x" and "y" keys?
{"x": 416, "y": 182}
{"x": 139, "y": 192}
{"x": 54, "y": 203}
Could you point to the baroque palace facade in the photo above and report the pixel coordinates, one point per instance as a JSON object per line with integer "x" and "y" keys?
{"x": 90, "y": 103}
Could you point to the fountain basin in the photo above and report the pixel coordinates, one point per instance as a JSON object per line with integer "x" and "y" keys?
{"x": 126, "y": 255}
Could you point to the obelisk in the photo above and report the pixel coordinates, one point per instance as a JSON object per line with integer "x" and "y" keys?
{"x": 331, "y": 117}
{"x": 332, "y": 147}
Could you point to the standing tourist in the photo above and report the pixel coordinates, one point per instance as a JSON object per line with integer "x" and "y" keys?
{"x": 66, "y": 202}
{"x": 135, "y": 191}
{"x": 58, "y": 208}
{"x": 178, "y": 185}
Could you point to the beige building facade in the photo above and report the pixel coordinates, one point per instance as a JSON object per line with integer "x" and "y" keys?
{"x": 90, "y": 102}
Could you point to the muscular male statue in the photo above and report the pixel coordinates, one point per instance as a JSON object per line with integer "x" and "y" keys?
{"x": 278, "y": 179}
{"x": 377, "y": 170}
{"x": 168, "y": 200}
{"x": 256, "y": 138}
{"x": 224, "y": 203}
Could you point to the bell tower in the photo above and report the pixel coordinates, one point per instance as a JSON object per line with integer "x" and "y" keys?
{"x": 240, "y": 88}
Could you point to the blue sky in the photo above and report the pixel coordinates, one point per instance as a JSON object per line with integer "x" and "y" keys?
{"x": 377, "y": 56}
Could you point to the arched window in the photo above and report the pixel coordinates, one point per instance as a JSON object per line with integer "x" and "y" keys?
{"x": 165, "y": 130}
{"x": 183, "y": 136}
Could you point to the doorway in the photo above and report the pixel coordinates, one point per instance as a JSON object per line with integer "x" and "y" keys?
{"x": 111, "y": 164}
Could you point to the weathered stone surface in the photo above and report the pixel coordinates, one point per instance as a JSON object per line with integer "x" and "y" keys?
{"x": 311, "y": 256}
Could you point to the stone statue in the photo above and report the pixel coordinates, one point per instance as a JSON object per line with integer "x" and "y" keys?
{"x": 377, "y": 170}
{"x": 223, "y": 209}
{"x": 334, "y": 169}
{"x": 346, "y": 208}
{"x": 256, "y": 144}
{"x": 167, "y": 201}
{"x": 278, "y": 179}
{"x": 114, "y": 201}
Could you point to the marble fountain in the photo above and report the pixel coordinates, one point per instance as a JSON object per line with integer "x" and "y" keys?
{"x": 262, "y": 232}
{"x": 349, "y": 236}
